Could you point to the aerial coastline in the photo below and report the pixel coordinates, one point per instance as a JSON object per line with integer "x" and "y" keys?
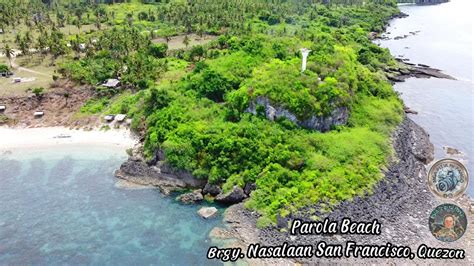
{"x": 182, "y": 135}
{"x": 402, "y": 191}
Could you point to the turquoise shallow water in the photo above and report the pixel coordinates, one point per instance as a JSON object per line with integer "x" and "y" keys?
{"x": 60, "y": 206}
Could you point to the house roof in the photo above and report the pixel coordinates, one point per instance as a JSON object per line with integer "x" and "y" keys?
{"x": 120, "y": 117}
{"x": 111, "y": 83}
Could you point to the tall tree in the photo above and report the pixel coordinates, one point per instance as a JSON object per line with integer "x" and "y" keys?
{"x": 186, "y": 41}
{"x": 8, "y": 53}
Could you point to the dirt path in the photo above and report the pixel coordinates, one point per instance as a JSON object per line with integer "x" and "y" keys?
{"x": 14, "y": 65}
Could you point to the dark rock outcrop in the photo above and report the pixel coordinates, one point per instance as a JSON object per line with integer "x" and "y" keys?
{"x": 141, "y": 173}
{"x": 338, "y": 116}
{"x": 407, "y": 110}
{"x": 183, "y": 175}
{"x": 211, "y": 189}
{"x": 161, "y": 175}
{"x": 235, "y": 196}
{"x": 191, "y": 197}
{"x": 419, "y": 143}
{"x": 249, "y": 187}
{"x": 408, "y": 70}
{"x": 399, "y": 15}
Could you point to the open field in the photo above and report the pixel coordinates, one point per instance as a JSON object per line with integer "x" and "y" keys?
{"x": 121, "y": 10}
{"x": 176, "y": 42}
{"x": 34, "y": 70}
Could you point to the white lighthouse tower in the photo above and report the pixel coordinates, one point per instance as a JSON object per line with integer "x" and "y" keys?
{"x": 305, "y": 53}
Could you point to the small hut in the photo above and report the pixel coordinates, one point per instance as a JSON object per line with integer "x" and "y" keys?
{"x": 16, "y": 80}
{"x": 120, "y": 118}
{"x": 2, "y": 108}
{"x": 109, "y": 118}
{"x": 111, "y": 83}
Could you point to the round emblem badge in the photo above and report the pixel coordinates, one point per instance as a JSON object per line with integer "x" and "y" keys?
{"x": 447, "y": 222}
{"x": 448, "y": 178}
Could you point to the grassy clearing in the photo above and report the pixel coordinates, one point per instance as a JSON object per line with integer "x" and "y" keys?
{"x": 176, "y": 42}
{"x": 35, "y": 70}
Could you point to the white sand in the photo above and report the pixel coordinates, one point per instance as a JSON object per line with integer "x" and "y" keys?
{"x": 45, "y": 137}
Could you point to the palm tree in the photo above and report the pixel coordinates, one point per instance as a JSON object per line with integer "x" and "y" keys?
{"x": 28, "y": 36}
{"x": 18, "y": 38}
{"x": 78, "y": 24}
{"x": 186, "y": 41}
{"x": 97, "y": 22}
{"x": 42, "y": 42}
{"x": 24, "y": 47}
{"x": 8, "y": 53}
{"x": 130, "y": 19}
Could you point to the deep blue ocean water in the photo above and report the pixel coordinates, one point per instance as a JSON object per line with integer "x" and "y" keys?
{"x": 60, "y": 206}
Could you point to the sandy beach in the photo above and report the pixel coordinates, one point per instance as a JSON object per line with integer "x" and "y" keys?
{"x": 55, "y": 136}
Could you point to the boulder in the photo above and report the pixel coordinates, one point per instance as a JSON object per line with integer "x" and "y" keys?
{"x": 207, "y": 212}
{"x": 282, "y": 222}
{"x": 136, "y": 170}
{"x": 235, "y": 196}
{"x": 211, "y": 189}
{"x": 139, "y": 172}
{"x": 192, "y": 197}
{"x": 249, "y": 187}
{"x": 420, "y": 146}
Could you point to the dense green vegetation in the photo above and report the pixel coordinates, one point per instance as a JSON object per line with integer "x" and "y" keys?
{"x": 191, "y": 103}
{"x": 4, "y": 68}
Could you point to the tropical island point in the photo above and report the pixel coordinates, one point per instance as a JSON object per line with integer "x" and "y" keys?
{"x": 278, "y": 117}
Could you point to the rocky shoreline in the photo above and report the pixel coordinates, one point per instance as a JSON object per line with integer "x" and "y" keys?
{"x": 157, "y": 172}
{"x": 401, "y": 202}
{"x": 407, "y": 70}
